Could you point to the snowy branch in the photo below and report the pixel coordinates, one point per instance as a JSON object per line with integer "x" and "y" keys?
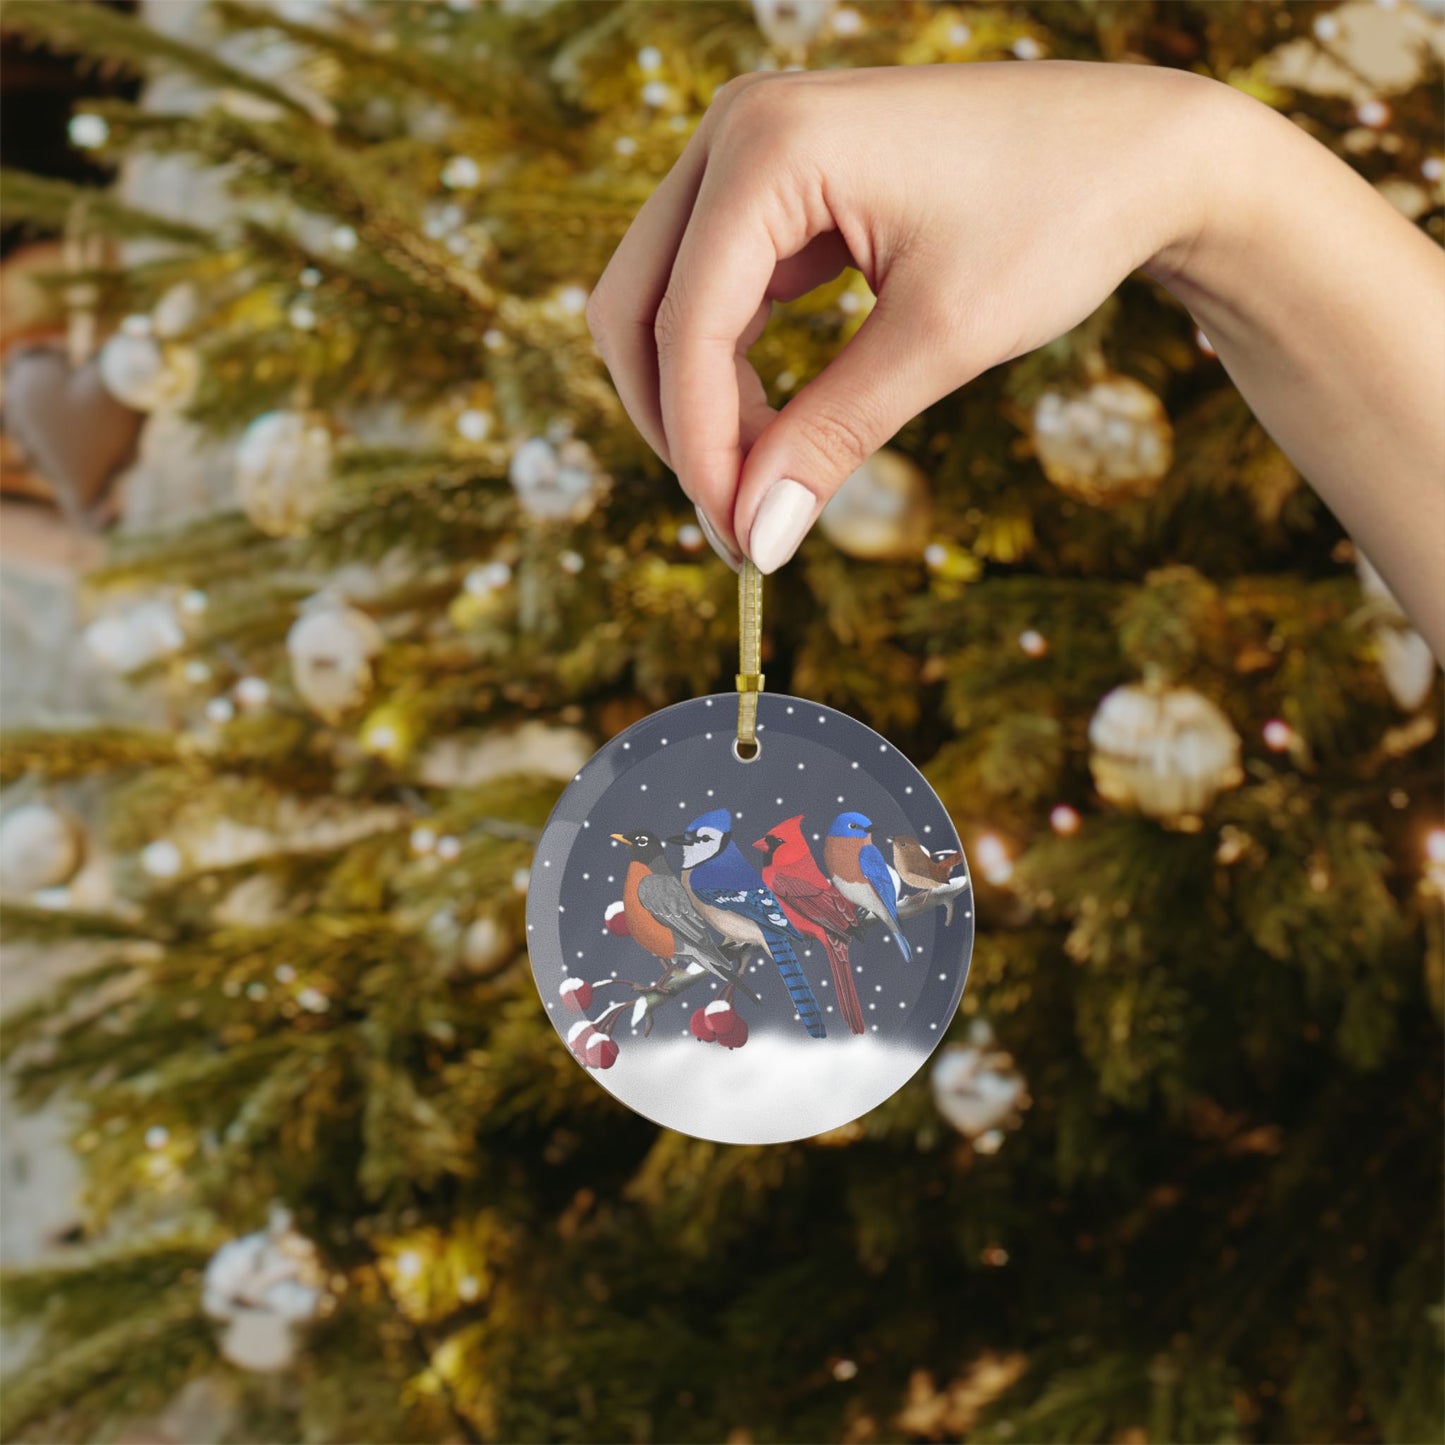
{"x": 649, "y": 997}
{"x": 942, "y": 897}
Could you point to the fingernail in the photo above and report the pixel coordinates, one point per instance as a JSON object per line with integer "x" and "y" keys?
{"x": 781, "y": 524}
{"x": 716, "y": 542}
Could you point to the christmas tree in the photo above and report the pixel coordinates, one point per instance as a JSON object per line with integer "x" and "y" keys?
{"x": 1176, "y": 1173}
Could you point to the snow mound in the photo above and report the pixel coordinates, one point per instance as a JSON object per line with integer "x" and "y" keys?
{"x": 774, "y": 1090}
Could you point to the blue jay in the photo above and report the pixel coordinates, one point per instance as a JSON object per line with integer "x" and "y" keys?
{"x": 860, "y": 873}
{"x": 662, "y": 917}
{"x": 730, "y": 896}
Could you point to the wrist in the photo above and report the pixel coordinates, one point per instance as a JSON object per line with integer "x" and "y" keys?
{"x": 1220, "y": 147}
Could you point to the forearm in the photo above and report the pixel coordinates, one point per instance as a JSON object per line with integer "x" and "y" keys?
{"x": 1327, "y": 309}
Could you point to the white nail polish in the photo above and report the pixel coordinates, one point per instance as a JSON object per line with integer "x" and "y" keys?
{"x": 783, "y": 519}
{"x": 716, "y": 542}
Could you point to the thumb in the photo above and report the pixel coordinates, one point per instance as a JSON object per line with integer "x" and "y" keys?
{"x": 901, "y": 360}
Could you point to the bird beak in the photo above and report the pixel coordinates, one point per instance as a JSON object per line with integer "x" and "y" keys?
{"x": 761, "y": 844}
{"x": 623, "y": 838}
{"x": 681, "y": 840}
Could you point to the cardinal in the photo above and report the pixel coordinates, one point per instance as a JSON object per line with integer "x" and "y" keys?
{"x": 661, "y": 915}
{"x": 860, "y": 874}
{"x": 813, "y": 906}
{"x": 731, "y": 897}
{"x": 918, "y": 868}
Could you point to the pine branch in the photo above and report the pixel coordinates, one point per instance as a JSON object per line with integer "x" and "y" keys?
{"x": 101, "y": 1286}
{"x": 124, "y": 1369}
{"x": 522, "y": 110}
{"x": 46, "y": 1017}
{"x": 119, "y": 42}
{"x": 51, "y": 204}
{"x": 317, "y": 171}
{"x": 81, "y": 752}
{"x": 66, "y": 925}
{"x": 424, "y": 1348}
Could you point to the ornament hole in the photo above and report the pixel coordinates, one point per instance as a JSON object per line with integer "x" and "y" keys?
{"x": 747, "y": 752}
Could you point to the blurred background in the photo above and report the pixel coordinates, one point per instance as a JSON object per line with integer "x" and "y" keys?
{"x": 329, "y": 554}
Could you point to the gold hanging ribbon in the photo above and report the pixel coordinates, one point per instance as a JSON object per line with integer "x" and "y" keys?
{"x": 750, "y": 648}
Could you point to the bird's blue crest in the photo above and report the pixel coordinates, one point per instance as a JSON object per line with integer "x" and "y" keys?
{"x": 850, "y": 825}
{"x": 718, "y": 818}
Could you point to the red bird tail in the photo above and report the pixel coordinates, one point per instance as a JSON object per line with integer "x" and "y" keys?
{"x": 848, "y": 1002}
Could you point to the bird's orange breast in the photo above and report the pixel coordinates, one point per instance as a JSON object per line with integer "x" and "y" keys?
{"x": 655, "y": 937}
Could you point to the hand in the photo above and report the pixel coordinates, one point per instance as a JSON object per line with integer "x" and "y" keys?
{"x": 990, "y": 208}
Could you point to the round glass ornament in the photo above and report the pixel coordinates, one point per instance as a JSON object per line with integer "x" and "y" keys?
{"x": 750, "y": 950}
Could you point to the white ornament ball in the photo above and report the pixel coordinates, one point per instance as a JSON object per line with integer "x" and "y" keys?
{"x": 474, "y": 425}
{"x": 461, "y": 173}
{"x": 1108, "y": 443}
{"x": 792, "y": 25}
{"x": 486, "y": 578}
{"x": 161, "y": 859}
{"x": 486, "y": 945}
{"x": 142, "y": 373}
{"x": 252, "y": 692}
{"x": 1164, "y": 751}
{"x": 261, "y": 1286}
{"x": 283, "y": 470}
{"x": 135, "y": 637}
{"x": 881, "y": 512}
{"x": 259, "y": 1341}
{"x": 331, "y": 647}
{"x": 40, "y": 847}
{"x": 977, "y": 1088}
{"x": 87, "y": 131}
{"x": 555, "y": 482}
{"x": 1405, "y": 658}
{"x": 176, "y": 312}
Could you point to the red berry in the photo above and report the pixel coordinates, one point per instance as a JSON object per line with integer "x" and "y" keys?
{"x": 616, "y": 919}
{"x": 600, "y": 1053}
{"x": 576, "y": 994}
{"x": 701, "y": 1028}
{"x": 720, "y": 1014}
{"x": 735, "y": 1035}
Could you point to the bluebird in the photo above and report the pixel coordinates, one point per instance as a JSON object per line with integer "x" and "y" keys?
{"x": 731, "y": 897}
{"x": 860, "y": 874}
{"x": 660, "y": 914}
{"x": 813, "y": 906}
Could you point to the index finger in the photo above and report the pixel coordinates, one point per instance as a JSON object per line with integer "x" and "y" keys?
{"x": 624, "y": 302}
{"x": 622, "y": 310}
{"x": 719, "y": 284}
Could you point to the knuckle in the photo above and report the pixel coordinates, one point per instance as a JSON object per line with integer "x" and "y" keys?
{"x": 740, "y": 93}
{"x": 841, "y": 441}
{"x": 729, "y": 90}
{"x": 667, "y": 325}
{"x": 597, "y": 317}
{"x": 765, "y": 113}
